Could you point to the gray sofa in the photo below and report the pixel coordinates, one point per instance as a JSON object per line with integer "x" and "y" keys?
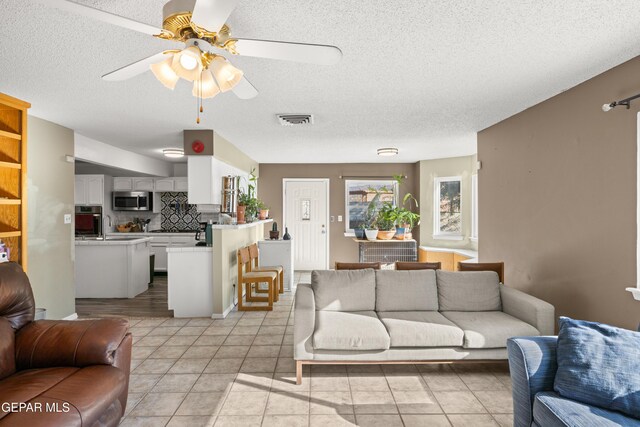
{"x": 388, "y": 316}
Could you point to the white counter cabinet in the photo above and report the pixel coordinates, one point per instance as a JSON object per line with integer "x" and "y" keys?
{"x": 278, "y": 252}
{"x": 190, "y": 281}
{"x": 112, "y": 268}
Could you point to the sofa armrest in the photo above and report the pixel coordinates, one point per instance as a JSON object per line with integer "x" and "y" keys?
{"x": 539, "y": 314}
{"x": 54, "y": 343}
{"x": 304, "y": 313}
{"x": 533, "y": 366}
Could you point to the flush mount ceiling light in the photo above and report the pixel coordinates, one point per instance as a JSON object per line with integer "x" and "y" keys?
{"x": 626, "y": 102}
{"x": 200, "y": 26}
{"x": 388, "y": 151}
{"x": 173, "y": 153}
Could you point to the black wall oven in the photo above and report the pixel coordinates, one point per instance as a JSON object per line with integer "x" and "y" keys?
{"x": 88, "y": 221}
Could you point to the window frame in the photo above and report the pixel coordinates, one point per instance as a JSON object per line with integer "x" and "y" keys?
{"x": 474, "y": 207}
{"x": 437, "y": 233}
{"x": 370, "y": 181}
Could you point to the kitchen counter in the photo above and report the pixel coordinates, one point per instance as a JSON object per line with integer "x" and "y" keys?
{"x": 112, "y": 268}
{"x": 464, "y": 252}
{"x": 240, "y": 226}
{"x": 191, "y": 249}
{"x": 149, "y": 234}
{"x": 114, "y": 241}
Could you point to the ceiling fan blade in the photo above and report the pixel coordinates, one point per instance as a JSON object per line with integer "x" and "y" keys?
{"x": 245, "y": 90}
{"x": 133, "y": 69}
{"x": 299, "y": 52}
{"x": 103, "y": 16}
{"x": 212, "y": 14}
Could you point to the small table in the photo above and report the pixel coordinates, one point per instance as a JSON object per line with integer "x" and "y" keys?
{"x": 387, "y": 251}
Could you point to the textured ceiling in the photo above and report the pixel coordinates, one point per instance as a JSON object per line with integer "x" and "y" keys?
{"x": 423, "y": 76}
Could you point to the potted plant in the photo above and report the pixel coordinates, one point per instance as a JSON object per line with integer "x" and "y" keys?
{"x": 252, "y": 209}
{"x": 244, "y": 200}
{"x": 370, "y": 217}
{"x": 386, "y": 221}
{"x": 263, "y": 210}
{"x": 405, "y": 221}
{"x": 359, "y": 231}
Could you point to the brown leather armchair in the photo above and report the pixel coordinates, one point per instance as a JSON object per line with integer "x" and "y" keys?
{"x": 56, "y": 372}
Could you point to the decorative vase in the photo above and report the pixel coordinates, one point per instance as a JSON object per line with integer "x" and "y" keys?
{"x": 240, "y": 214}
{"x": 371, "y": 234}
{"x": 286, "y": 236}
{"x": 359, "y": 232}
{"x": 264, "y": 214}
{"x": 386, "y": 234}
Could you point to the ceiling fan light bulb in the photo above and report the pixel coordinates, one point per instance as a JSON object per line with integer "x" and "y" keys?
{"x": 189, "y": 57}
{"x": 164, "y": 73}
{"x": 226, "y": 74}
{"x": 209, "y": 87}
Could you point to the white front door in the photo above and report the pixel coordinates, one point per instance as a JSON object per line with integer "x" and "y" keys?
{"x": 306, "y": 210}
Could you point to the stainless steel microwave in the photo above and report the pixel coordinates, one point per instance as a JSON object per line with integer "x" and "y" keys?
{"x": 132, "y": 201}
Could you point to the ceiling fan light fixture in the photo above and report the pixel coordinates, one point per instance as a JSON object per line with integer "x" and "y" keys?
{"x": 190, "y": 57}
{"x": 164, "y": 73}
{"x": 173, "y": 153}
{"x": 206, "y": 86}
{"x": 387, "y": 151}
{"x": 226, "y": 74}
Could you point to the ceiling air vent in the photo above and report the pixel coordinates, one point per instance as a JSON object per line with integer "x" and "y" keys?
{"x": 295, "y": 119}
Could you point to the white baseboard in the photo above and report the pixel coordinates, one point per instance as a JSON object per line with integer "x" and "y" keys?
{"x": 73, "y": 316}
{"x": 223, "y": 315}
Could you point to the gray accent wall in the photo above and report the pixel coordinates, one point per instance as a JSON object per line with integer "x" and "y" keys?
{"x": 50, "y": 196}
{"x": 558, "y": 199}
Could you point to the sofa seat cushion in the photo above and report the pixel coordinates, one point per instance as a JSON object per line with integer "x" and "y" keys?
{"x": 421, "y": 329}
{"x": 87, "y": 392}
{"x": 413, "y": 290}
{"x": 551, "y": 410}
{"x": 489, "y": 329}
{"x": 340, "y": 330}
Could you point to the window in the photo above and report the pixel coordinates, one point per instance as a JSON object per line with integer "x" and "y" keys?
{"x": 447, "y": 217}
{"x": 360, "y": 193}
{"x": 474, "y": 207}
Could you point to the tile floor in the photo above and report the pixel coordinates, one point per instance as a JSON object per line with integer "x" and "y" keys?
{"x": 239, "y": 371}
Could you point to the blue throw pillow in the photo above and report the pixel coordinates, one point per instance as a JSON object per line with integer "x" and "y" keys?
{"x": 599, "y": 365}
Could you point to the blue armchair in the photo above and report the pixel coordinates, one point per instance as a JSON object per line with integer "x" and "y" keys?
{"x": 532, "y": 362}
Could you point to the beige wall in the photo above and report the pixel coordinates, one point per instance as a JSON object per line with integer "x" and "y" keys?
{"x": 230, "y": 154}
{"x": 341, "y": 248}
{"x": 50, "y": 196}
{"x": 558, "y": 199}
{"x": 463, "y": 167}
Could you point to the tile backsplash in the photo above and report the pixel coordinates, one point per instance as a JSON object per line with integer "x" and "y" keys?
{"x": 177, "y": 214}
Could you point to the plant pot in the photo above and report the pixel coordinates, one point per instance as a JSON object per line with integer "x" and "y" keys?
{"x": 371, "y": 234}
{"x": 264, "y": 214}
{"x": 399, "y": 233}
{"x": 240, "y": 214}
{"x": 386, "y": 234}
{"x": 359, "y": 232}
{"x": 274, "y": 235}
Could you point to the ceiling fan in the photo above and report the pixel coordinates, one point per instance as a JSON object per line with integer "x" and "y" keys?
{"x": 200, "y": 25}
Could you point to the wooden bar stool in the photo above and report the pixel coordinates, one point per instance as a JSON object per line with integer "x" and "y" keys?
{"x": 254, "y": 255}
{"x": 248, "y": 277}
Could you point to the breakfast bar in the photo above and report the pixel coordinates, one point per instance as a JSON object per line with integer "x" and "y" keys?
{"x": 202, "y": 280}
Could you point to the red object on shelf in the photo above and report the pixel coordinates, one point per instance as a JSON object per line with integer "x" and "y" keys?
{"x": 197, "y": 146}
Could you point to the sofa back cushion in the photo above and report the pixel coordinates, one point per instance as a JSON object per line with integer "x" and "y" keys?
{"x": 411, "y": 290}
{"x": 345, "y": 290}
{"x": 468, "y": 291}
{"x": 7, "y": 349}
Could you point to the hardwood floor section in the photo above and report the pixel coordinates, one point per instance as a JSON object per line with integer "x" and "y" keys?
{"x": 151, "y": 303}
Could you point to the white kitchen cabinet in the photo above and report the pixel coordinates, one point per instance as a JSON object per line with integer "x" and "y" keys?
{"x": 122, "y": 184}
{"x": 164, "y": 184}
{"x": 89, "y": 190}
{"x": 181, "y": 183}
{"x": 159, "y": 249}
{"x": 143, "y": 184}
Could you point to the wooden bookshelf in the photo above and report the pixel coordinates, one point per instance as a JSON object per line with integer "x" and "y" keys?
{"x": 13, "y": 176}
